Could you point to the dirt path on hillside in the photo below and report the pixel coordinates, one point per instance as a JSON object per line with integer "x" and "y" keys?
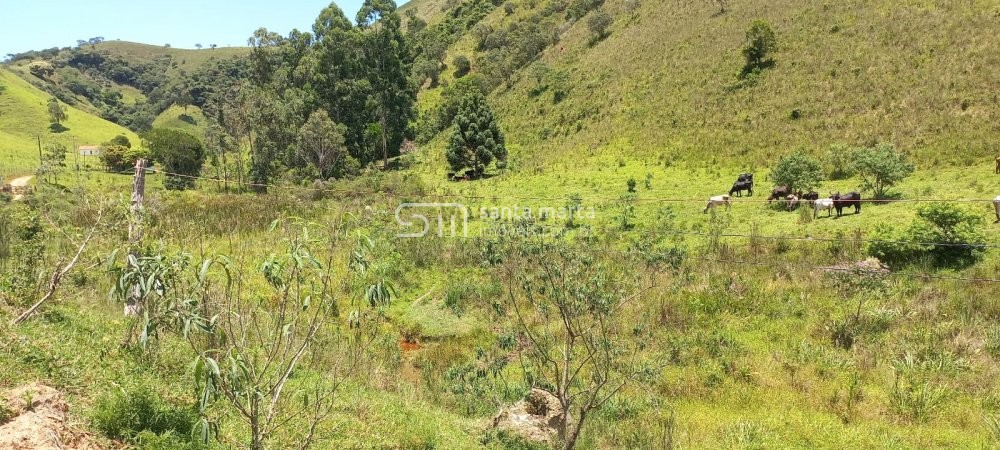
{"x": 21, "y": 182}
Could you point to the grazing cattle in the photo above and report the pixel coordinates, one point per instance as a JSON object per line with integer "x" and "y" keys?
{"x": 779, "y": 192}
{"x": 743, "y": 183}
{"x": 810, "y": 196}
{"x": 451, "y": 176}
{"x": 996, "y": 206}
{"x": 792, "y": 201}
{"x": 818, "y": 204}
{"x": 717, "y": 201}
{"x": 847, "y": 200}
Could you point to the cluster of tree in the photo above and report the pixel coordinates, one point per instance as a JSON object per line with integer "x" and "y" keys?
{"x": 357, "y": 77}
{"x": 879, "y": 167}
{"x": 430, "y": 44}
{"x": 180, "y": 154}
{"x": 505, "y": 50}
{"x": 92, "y": 41}
{"x": 118, "y": 155}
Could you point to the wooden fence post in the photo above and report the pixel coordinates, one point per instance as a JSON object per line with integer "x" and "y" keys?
{"x": 133, "y": 306}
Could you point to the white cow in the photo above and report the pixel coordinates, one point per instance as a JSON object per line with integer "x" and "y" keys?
{"x": 823, "y": 203}
{"x": 717, "y": 201}
{"x": 792, "y": 201}
{"x": 996, "y": 203}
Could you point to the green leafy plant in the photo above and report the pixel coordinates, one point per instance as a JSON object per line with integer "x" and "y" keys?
{"x": 761, "y": 41}
{"x": 798, "y": 172}
{"x": 880, "y": 168}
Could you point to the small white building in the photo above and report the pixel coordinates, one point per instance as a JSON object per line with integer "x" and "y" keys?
{"x": 90, "y": 150}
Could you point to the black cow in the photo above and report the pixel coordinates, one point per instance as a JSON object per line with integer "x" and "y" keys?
{"x": 743, "y": 183}
{"x": 847, "y": 200}
{"x": 779, "y": 193}
{"x": 810, "y": 196}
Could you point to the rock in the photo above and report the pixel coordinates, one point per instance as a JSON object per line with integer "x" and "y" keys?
{"x": 40, "y": 424}
{"x": 536, "y": 418}
{"x": 870, "y": 266}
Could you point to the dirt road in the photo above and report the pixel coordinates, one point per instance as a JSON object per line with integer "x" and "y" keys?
{"x": 21, "y": 181}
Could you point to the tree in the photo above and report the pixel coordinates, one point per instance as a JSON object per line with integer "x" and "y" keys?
{"x": 197, "y": 46}
{"x": 120, "y": 139}
{"x": 256, "y": 354}
{"x": 321, "y": 142}
{"x": 798, "y": 172}
{"x": 880, "y": 167}
{"x": 598, "y": 23}
{"x": 387, "y": 59}
{"x": 53, "y": 160}
{"x": 57, "y": 112}
{"x": 414, "y": 24}
{"x": 181, "y": 155}
{"x": 461, "y": 65}
{"x": 760, "y": 42}
{"x": 121, "y": 158}
{"x": 477, "y": 140}
{"x": 577, "y": 320}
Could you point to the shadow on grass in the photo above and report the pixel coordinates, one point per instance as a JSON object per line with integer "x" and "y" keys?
{"x": 58, "y": 128}
{"x": 187, "y": 119}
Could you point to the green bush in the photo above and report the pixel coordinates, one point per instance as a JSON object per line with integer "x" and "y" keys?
{"x": 760, "y": 42}
{"x": 798, "y": 171}
{"x": 462, "y": 66}
{"x": 880, "y": 167}
{"x": 942, "y": 233}
{"x": 126, "y": 415}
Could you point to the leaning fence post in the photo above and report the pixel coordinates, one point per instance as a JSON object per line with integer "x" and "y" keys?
{"x": 133, "y": 307}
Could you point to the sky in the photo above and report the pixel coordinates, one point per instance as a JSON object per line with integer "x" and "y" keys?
{"x": 39, "y": 24}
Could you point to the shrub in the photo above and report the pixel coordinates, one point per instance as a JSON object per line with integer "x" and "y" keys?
{"x": 462, "y": 66}
{"x": 945, "y": 234}
{"x": 880, "y": 167}
{"x": 798, "y": 172}
{"x": 838, "y": 158}
{"x": 124, "y": 416}
{"x": 760, "y": 42}
{"x": 508, "y": 8}
{"x": 579, "y": 8}
{"x": 598, "y": 24}
{"x": 953, "y": 232}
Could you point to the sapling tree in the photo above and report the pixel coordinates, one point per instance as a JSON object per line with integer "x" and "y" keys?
{"x": 250, "y": 332}
{"x": 575, "y": 315}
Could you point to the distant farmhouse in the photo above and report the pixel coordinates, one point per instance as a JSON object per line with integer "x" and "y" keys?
{"x": 90, "y": 150}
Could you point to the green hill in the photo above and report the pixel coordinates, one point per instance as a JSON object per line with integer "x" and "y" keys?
{"x": 664, "y": 83}
{"x": 23, "y": 116}
{"x": 189, "y": 120}
{"x": 129, "y": 83}
{"x": 187, "y": 60}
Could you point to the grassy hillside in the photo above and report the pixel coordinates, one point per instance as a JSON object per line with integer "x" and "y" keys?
{"x": 664, "y": 82}
{"x": 186, "y": 59}
{"x": 190, "y": 120}
{"x": 128, "y": 83}
{"x": 23, "y": 116}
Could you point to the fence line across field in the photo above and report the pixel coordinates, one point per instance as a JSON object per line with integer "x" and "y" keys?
{"x": 543, "y": 198}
